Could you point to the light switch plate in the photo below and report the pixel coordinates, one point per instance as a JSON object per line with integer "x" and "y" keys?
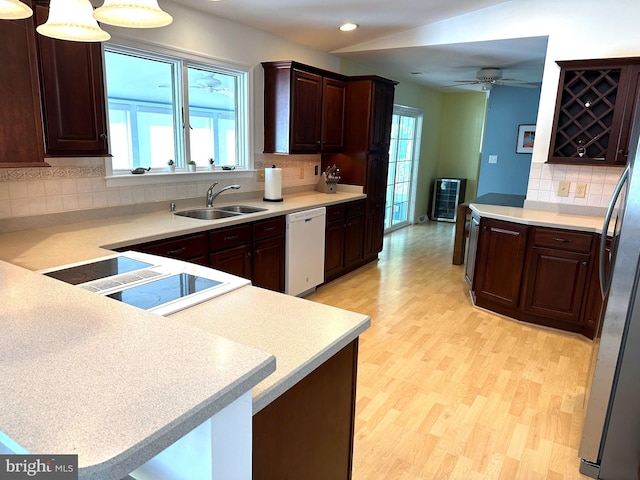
{"x": 581, "y": 190}
{"x": 493, "y": 158}
{"x": 563, "y": 188}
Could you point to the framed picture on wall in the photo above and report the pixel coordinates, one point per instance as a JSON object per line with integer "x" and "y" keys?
{"x": 526, "y": 137}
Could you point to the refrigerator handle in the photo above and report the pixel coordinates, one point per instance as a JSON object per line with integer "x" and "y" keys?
{"x": 604, "y": 288}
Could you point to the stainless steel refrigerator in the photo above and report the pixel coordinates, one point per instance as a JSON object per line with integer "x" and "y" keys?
{"x": 610, "y": 446}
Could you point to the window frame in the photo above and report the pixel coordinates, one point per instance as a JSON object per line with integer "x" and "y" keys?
{"x": 185, "y": 60}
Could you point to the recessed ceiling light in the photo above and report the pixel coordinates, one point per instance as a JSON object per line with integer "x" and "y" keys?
{"x": 347, "y": 27}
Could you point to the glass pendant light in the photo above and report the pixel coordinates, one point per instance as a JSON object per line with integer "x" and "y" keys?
{"x": 14, "y": 10}
{"x": 132, "y": 13}
{"x": 72, "y": 20}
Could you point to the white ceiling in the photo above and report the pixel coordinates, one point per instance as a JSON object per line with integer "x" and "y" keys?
{"x": 314, "y": 23}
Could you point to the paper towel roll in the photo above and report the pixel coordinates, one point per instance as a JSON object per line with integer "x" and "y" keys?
{"x": 273, "y": 184}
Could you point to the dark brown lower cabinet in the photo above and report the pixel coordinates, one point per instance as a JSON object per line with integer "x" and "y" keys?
{"x": 235, "y": 260}
{"x": 555, "y": 284}
{"x": 307, "y": 433}
{"x": 500, "y": 260}
{"x": 268, "y": 264}
{"x": 254, "y": 250}
{"x": 344, "y": 238}
{"x": 540, "y": 275}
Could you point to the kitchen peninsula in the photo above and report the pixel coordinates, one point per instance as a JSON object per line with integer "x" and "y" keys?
{"x": 238, "y": 334}
{"x": 536, "y": 266}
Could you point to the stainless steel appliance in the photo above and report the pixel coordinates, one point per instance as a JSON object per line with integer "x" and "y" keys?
{"x": 157, "y": 284}
{"x": 610, "y": 446}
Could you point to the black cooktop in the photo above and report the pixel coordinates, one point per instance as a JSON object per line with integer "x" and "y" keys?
{"x": 96, "y": 270}
{"x": 158, "y": 292}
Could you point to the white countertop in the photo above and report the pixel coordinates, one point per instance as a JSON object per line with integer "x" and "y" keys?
{"x": 40, "y": 248}
{"x": 82, "y": 374}
{"x": 540, "y": 218}
{"x": 85, "y": 375}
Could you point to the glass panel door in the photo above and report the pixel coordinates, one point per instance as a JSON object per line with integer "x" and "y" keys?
{"x": 403, "y": 153}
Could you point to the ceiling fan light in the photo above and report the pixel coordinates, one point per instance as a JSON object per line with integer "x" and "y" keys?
{"x": 132, "y": 14}
{"x": 14, "y": 10}
{"x": 72, "y": 20}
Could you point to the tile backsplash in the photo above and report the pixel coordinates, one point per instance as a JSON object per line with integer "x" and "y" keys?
{"x": 75, "y": 184}
{"x": 545, "y": 178}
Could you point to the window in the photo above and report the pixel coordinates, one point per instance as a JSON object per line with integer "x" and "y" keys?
{"x": 164, "y": 107}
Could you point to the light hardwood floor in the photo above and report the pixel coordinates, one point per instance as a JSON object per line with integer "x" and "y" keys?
{"x": 449, "y": 391}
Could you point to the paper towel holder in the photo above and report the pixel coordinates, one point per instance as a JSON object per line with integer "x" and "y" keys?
{"x": 273, "y": 199}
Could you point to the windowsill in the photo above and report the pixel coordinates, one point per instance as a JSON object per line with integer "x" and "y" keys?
{"x": 176, "y": 177}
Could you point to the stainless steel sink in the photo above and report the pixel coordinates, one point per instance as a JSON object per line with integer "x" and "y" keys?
{"x": 207, "y": 213}
{"x": 241, "y": 209}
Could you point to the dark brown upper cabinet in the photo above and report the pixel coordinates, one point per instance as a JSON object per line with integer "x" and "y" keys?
{"x": 73, "y": 99}
{"x": 594, "y": 108}
{"x": 303, "y": 108}
{"x": 21, "y": 143}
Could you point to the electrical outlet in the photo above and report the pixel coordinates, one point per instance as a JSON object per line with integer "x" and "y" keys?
{"x": 301, "y": 173}
{"x": 493, "y": 158}
{"x": 563, "y": 189}
{"x": 260, "y": 175}
{"x": 581, "y": 190}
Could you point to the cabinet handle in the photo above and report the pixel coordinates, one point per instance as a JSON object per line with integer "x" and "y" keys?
{"x": 562, "y": 240}
{"x": 231, "y": 237}
{"x": 269, "y": 229}
{"x": 584, "y": 264}
{"x": 176, "y": 251}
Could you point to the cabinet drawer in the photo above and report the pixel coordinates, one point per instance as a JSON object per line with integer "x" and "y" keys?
{"x": 181, "y": 248}
{"x": 230, "y": 237}
{"x": 355, "y": 208}
{"x": 563, "y": 240}
{"x": 268, "y": 228}
{"x": 336, "y": 212}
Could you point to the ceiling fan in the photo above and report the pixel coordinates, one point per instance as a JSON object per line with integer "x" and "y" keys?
{"x": 489, "y": 76}
{"x": 208, "y": 82}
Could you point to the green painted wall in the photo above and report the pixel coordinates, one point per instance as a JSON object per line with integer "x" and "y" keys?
{"x": 461, "y": 129}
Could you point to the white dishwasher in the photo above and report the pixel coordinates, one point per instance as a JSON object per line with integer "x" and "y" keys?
{"x": 304, "y": 258}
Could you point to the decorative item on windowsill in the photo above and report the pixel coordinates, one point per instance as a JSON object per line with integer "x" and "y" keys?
{"x": 171, "y": 166}
{"x": 140, "y": 170}
{"x": 212, "y": 164}
{"x": 329, "y": 180}
{"x": 191, "y": 165}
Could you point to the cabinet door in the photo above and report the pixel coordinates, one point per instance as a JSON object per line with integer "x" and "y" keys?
{"x": 306, "y": 112}
{"x": 236, "y": 261}
{"x": 382, "y": 116}
{"x": 556, "y": 281}
{"x": 21, "y": 140}
{"x": 500, "y": 262}
{"x": 353, "y": 240}
{"x": 333, "y": 104}
{"x": 334, "y": 248}
{"x": 268, "y": 264}
{"x": 72, "y": 86}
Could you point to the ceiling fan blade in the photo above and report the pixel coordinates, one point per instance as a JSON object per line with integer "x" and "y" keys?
{"x": 517, "y": 83}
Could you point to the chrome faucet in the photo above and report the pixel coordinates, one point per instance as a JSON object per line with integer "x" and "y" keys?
{"x": 212, "y": 196}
